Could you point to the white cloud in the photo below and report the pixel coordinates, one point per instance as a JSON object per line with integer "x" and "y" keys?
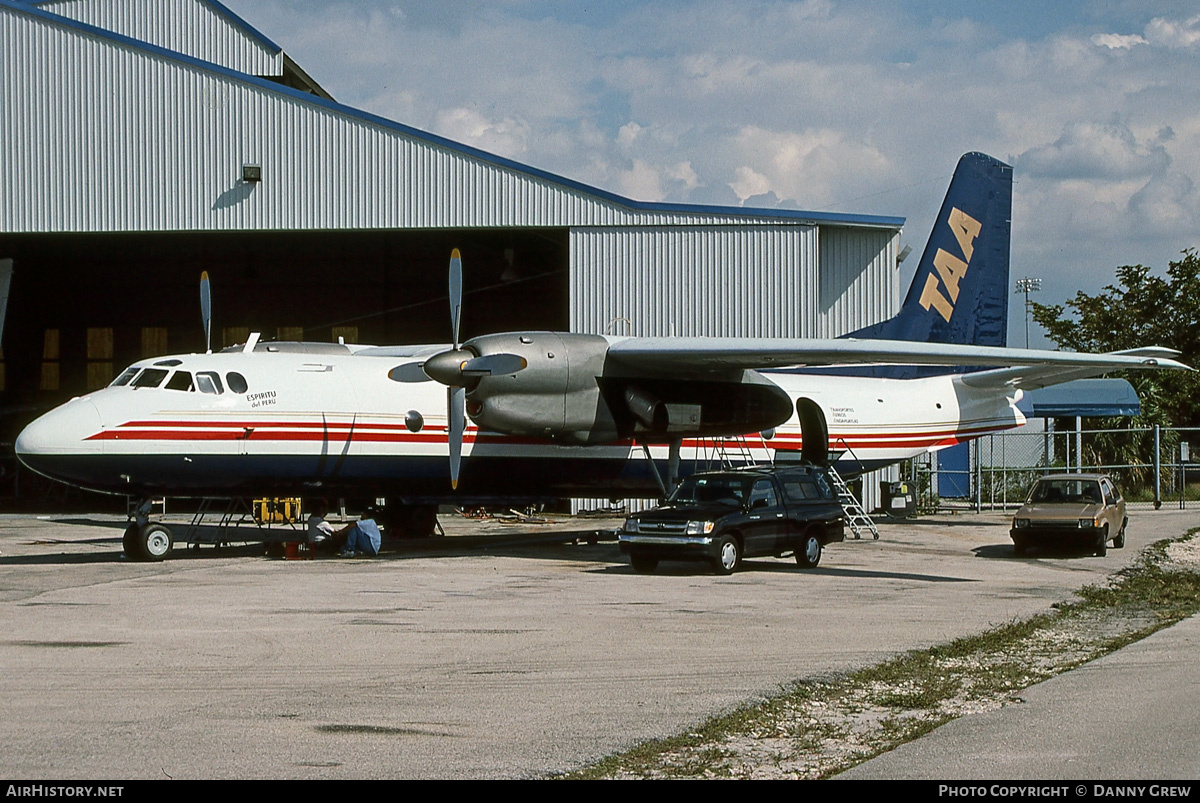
{"x": 641, "y": 182}
{"x": 1116, "y": 41}
{"x": 1166, "y": 206}
{"x": 1092, "y": 150}
{"x": 748, "y": 182}
{"x": 628, "y": 134}
{"x": 508, "y": 137}
{"x": 1169, "y": 33}
{"x": 805, "y": 166}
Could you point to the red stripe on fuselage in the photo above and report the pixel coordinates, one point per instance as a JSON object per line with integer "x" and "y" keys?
{"x": 294, "y": 431}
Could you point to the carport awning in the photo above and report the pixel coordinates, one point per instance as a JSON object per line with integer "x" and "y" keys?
{"x": 1083, "y": 397}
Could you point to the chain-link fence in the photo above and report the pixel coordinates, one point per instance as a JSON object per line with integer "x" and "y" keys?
{"x": 1153, "y": 466}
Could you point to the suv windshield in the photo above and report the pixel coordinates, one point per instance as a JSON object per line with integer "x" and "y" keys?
{"x": 727, "y": 489}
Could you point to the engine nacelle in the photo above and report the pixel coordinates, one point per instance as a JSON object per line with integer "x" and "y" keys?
{"x": 555, "y": 396}
{"x": 570, "y": 390}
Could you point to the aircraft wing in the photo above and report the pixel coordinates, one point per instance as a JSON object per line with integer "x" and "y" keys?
{"x": 1031, "y": 377}
{"x": 1022, "y": 367}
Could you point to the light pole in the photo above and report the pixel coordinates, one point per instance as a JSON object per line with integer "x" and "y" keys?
{"x": 1028, "y": 285}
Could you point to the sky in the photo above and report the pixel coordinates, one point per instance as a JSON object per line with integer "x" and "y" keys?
{"x": 824, "y": 105}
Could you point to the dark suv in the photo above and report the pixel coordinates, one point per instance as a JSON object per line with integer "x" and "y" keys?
{"x": 724, "y": 516}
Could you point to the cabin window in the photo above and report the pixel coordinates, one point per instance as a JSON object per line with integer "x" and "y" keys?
{"x": 209, "y": 382}
{"x": 126, "y": 375}
{"x": 180, "y": 380}
{"x": 150, "y": 378}
{"x": 236, "y": 382}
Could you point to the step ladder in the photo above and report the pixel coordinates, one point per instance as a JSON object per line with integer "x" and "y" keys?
{"x": 732, "y": 451}
{"x": 856, "y": 518}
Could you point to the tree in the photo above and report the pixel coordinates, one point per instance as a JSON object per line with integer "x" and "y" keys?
{"x": 1141, "y": 310}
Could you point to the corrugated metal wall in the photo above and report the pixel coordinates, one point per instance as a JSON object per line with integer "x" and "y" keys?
{"x": 193, "y": 28}
{"x": 859, "y": 283}
{"x": 743, "y": 281}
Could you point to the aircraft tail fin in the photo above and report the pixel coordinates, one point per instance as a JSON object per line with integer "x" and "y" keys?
{"x": 960, "y": 291}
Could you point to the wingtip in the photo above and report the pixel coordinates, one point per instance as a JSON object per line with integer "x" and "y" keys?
{"x": 454, "y": 254}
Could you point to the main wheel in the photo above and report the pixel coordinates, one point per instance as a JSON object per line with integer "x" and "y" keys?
{"x": 643, "y": 564}
{"x": 150, "y": 543}
{"x": 1102, "y": 542}
{"x": 1119, "y": 541}
{"x": 129, "y": 541}
{"x": 809, "y": 554}
{"x": 729, "y": 555}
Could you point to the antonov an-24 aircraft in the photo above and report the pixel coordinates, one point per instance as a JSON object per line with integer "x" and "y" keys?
{"x": 558, "y": 415}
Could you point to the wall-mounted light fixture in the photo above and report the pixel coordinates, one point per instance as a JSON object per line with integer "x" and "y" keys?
{"x": 252, "y": 174}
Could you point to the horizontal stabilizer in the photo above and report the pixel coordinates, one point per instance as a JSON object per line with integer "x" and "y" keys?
{"x": 1031, "y": 377}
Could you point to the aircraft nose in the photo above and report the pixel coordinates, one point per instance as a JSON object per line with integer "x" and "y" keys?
{"x": 58, "y": 435}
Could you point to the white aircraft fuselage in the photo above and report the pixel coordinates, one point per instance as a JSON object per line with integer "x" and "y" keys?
{"x": 333, "y": 422}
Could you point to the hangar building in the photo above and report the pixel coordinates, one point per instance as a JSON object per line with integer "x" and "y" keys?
{"x": 146, "y": 141}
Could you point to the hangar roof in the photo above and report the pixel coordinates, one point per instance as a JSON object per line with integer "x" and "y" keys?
{"x": 228, "y": 52}
{"x": 204, "y": 29}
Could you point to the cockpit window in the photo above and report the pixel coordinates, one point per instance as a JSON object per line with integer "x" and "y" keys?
{"x": 150, "y": 378}
{"x": 180, "y": 380}
{"x": 126, "y": 375}
{"x": 209, "y": 382}
{"x": 236, "y": 382}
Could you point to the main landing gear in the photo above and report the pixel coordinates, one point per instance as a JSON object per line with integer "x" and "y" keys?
{"x": 145, "y": 541}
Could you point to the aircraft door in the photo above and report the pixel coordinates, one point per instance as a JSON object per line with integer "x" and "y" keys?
{"x": 814, "y": 432}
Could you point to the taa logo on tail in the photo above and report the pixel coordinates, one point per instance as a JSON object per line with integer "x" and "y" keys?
{"x": 950, "y": 268}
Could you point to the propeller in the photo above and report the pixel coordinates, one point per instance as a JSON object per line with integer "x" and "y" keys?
{"x": 460, "y": 369}
{"x": 206, "y": 310}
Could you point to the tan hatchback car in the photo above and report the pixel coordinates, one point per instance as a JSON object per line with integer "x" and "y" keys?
{"x": 1071, "y": 508}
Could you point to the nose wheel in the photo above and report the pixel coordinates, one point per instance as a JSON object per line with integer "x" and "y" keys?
{"x": 147, "y": 542}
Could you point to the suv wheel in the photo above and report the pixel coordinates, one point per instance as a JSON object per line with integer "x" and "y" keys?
{"x": 809, "y": 553}
{"x": 729, "y": 555}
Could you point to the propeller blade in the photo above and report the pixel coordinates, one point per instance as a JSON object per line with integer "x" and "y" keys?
{"x": 455, "y": 293}
{"x": 455, "y": 403}
{"x": 494, "y": 365}
{"x": 409, "y": 372}
{"x": 206, "y": 310}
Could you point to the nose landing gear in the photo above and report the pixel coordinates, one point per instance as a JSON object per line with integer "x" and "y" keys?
{"x": 144, "y": 541}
